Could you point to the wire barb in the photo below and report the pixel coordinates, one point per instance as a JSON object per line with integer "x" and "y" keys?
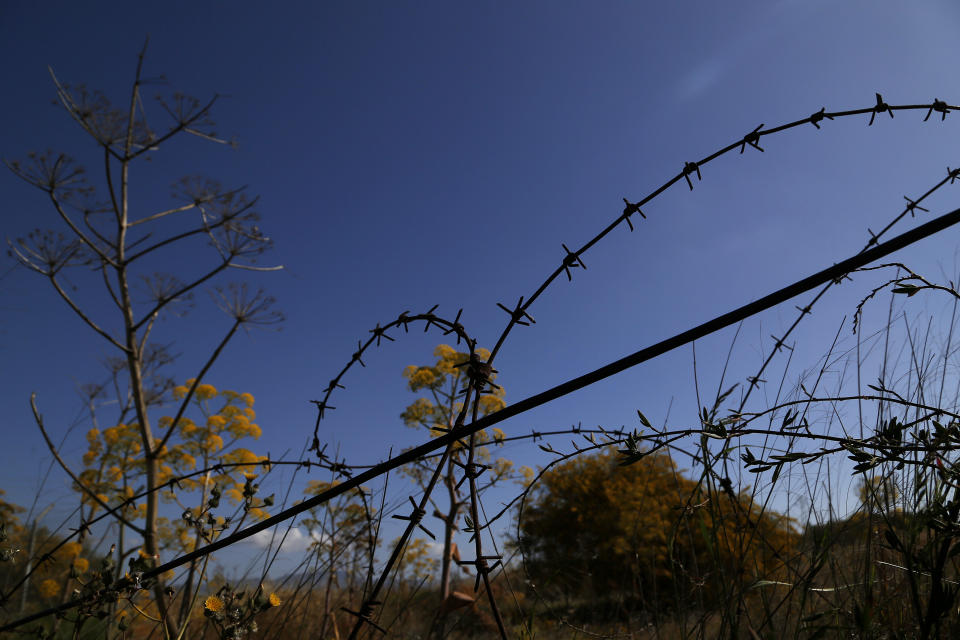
{"x": 689, "y": 168}
{"x": 518, "y": 313}
{"x": 912, "y": 204}
{"x": 815, "y": 118}
{"x": 880, "y": 107}
{"x": 379, "y": 332}
{"x": 482, "y": 567}
{"x": 416, "y": 516}
{"x": 322, "y": 406}
{"x": 456, "y": 327}
{"x": 479, "y": 372}
{"x": 940, "y": 107}
{"x": 752, "y": 139}
{"x": 571, "y": 261}
{"x": 366, "y": 614}
{"x": 630, "y": 208}
{"x": 356, "y": 355}
{"x": 334, "y": 384}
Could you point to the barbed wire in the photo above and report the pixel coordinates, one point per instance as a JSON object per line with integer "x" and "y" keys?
{"x": 520, "y": 315}
{"x": 464, "y": 430}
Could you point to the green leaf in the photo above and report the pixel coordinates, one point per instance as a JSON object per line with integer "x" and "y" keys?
{"x": 643, "y": 420}
{"x": 908, "y": 289}
{"x": 776, "y": 473}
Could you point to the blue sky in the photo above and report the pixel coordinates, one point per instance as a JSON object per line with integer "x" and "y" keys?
{"x": 412, "y": 154}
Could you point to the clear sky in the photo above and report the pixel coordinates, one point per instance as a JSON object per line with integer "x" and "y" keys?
{"x": 412, "y": 154}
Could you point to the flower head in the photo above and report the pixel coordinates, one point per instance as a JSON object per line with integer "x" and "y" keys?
{"x": 213, "y": 603}
{"x": 49, "y": 588}
{"x": 274, "y": 600}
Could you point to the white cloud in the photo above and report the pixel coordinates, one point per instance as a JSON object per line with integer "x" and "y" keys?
{"x": 434, "y": 550}
{"x": 297, "y": 539}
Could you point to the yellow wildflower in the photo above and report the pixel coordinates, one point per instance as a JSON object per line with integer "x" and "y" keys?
{"x": 71, "y": 549}
{"x": 165, "y": 473}
{"x": 188, "y": 460}
{"x": 247, "y": 399}
{"x": 213, "y": 603}
{"x": 213, "y": 443}
{"x": 445, "y": 352}
{"x": 81, "y": 564}
{"x": 180, "y": 391}
{"x": 206, "y": 391}
{"x": 275, "y": 600}
{"x": 216, "y": 421}
{"x": 92, "y": 435}
{"x": 423, "y": 377}
{"x": 112, "y": 435}
{"x": 49, "y": 588}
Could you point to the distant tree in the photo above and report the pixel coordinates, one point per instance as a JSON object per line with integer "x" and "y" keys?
{"x": 124, "y": 240}
{"x": 436, "y": 411}
{"x": 592, "y": 526}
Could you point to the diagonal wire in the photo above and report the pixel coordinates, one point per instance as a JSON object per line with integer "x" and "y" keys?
{"x": 720, "y": 322}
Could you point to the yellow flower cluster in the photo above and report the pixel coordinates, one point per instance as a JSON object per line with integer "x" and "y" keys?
{"x": 423, "y": 377}
{"x": 206, "y": 391}
{"x": 187, "y": 427}
{"x": 213, "y": 442}
{"x": 188, "y": 461}
{"x": 244, "y": 457}
{"x": 49, "y": 588}
{"x": 112, "y": 435}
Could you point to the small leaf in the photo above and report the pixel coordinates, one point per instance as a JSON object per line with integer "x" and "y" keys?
{"x": 908, "y": 289}
{"x": 776, "y": 473}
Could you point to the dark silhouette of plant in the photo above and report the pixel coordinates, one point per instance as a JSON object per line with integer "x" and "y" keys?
{"x": 104, "y": 230}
